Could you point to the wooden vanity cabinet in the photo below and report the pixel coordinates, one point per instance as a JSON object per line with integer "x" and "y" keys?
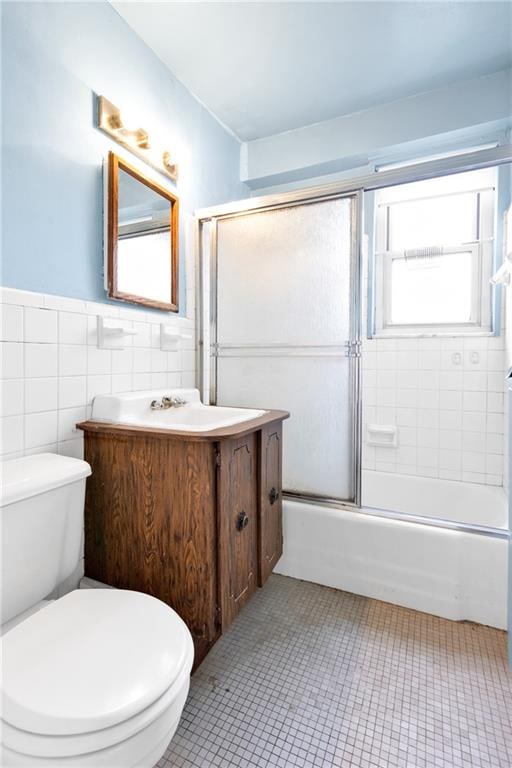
{"x": 191, "y": 518}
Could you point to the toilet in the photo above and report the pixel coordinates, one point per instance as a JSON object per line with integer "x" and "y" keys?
{"x": 97, "y": 678}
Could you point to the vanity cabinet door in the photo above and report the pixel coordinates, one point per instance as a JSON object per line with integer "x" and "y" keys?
{"x": 150, "y": 524}
{"x": 238, "y": 513}
{"x": 270, "y": 542}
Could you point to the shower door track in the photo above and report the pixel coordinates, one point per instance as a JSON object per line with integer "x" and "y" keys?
{"x": 436, "y": 522}
{"x": 208, "y": 353}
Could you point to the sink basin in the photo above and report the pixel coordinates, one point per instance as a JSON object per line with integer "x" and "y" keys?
{"x": 134, "y": 408}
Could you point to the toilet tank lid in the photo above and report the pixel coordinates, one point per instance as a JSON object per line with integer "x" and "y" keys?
{"x": 31, "y": 475}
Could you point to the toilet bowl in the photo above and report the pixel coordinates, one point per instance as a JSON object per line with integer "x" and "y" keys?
{"x": 96, "y": 678}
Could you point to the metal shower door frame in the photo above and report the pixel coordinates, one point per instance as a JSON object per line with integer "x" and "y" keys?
{"x": 208, "y": 312}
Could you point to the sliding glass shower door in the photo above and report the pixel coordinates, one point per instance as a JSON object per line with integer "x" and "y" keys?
{"x": 285, "y": 333}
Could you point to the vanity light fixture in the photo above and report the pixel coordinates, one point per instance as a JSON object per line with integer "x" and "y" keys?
{"x": 137, "y": 140}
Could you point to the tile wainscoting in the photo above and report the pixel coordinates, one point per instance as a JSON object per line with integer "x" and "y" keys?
{"x": 52, "y": 367}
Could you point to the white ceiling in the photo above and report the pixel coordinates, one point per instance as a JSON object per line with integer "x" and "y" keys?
{"x": 266, "y": 67}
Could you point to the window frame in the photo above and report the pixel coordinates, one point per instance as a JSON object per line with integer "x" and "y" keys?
{"x": 482, "y": 251}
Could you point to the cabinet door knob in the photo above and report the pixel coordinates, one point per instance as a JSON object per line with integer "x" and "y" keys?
{"x": 273, "y": 495}
{"x": 242, "y": 521}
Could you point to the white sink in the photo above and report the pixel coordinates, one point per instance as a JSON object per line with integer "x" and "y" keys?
{"x": 134, "y": 408}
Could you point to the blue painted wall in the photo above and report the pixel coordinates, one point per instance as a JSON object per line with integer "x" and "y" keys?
{"x": 55, "y": 57}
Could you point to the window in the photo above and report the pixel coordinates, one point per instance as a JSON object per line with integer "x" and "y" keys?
{"x": 433, "y": 255}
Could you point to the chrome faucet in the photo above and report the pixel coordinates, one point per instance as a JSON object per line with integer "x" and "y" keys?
{"x": 176, "y": 401}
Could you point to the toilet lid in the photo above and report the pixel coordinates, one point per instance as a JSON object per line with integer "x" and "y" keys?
{"x": 90, "y": 660}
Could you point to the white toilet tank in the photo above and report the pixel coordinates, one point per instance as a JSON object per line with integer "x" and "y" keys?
{"x": 41, "y": 507}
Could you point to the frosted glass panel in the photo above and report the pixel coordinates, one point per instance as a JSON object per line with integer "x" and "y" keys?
{"x": 284, "y": 299}
{"x": 317, "y": 456}
{"x": 283, "y": 275}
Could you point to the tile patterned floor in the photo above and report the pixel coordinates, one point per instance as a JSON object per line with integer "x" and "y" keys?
{"x": 313, "y": 677}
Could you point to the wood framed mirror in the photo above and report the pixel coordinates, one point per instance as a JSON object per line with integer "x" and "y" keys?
{"x": 141, "y": 238}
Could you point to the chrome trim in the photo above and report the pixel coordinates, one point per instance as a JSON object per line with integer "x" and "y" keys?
{"x": 471, "y": 161}
{"x": 356, "y": 279}
{"x": 437, "y": 522}
{"x": 321, "y": 501}
{"x": 278, "y": 345}
{"x": 213, "y": 279}
{"x": 290, "y": 354}
{"x": 200, "y": 305}
{"x": 279, "y": 350}
{"x": 197, "y": 232}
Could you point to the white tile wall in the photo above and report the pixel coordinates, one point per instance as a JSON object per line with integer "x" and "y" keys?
{"x": 52, "y": 368}
{"x": 447, "y": 397}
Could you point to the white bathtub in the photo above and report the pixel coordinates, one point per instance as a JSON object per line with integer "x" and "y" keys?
{"x": 444, "y": 571}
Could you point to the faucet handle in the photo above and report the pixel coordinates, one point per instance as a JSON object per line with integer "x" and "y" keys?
{"x": 168, "y": 401}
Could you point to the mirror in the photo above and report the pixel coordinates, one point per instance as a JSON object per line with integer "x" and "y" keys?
{"x": 142, "y": 238}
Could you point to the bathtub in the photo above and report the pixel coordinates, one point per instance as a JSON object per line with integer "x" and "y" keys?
{"x": 449, "y": 500}
{"x": 447, "y": 569}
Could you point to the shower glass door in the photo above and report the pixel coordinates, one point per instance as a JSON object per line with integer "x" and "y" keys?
{"x": 285, "y": 333}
